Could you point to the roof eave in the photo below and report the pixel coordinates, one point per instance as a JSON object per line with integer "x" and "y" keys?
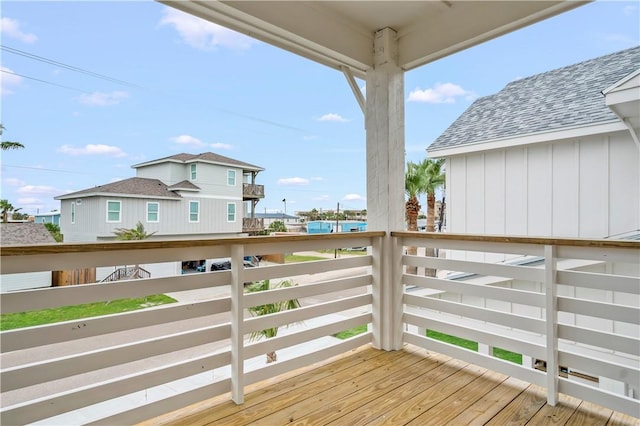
{"x": 530, "y": 139}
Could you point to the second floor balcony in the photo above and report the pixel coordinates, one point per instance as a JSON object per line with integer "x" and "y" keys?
{"x": 252, "y": 191}
{"x": 565, "y": 312}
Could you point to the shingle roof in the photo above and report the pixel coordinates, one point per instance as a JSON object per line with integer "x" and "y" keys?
{"x": 133, "y": 186}
{"x": 563, "y": 98}
{"x": 209, "y": 157}
{"x": 24, "y": 233}
{"x": 185, "y": 184}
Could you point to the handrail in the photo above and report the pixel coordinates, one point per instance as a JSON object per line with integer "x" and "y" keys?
{"x": 569, "y": 242}
{"x": 61, "y": 248}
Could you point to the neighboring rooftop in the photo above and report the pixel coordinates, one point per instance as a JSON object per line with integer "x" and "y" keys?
{"x": 24, "y": 233}
{"x": 134, "y": 186}
{"x": 563, "y": 98}
{"x": 205, "y": 157}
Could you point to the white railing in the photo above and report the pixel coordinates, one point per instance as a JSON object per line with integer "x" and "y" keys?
{"x": 124, "y": 368}
{"x": 566, "y": 306}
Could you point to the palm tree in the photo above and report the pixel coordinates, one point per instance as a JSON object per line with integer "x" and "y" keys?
{"x": 414, "y": 186}
{"x": 137, "y": 233}
{"x": 6, "y": 208}
{"x": 5, "y": 145}
{"x": 434, "y": 179}
{"x": 270, "y": 308}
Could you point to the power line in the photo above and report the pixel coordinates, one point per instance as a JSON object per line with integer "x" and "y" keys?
{"x": 43, "y": 81}
{"x": 66, "y": 66}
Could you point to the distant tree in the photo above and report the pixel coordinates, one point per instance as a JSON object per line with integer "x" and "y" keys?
{"x": 434, "y": 180}
{"x": 19, "y": 216}
{"x": 6, "y": 208}
{"x": 414, "y": 186}
{"x": 314, "y": 215}
{"x": 270, "y": 308}
{"x": 5, "y": 145}
{"x": 277, "y": 226}
{"x": 137, "y": 233}
{"x": 54, "y": 230}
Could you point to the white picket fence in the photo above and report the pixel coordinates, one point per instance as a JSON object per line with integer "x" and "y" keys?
{"x": 124, "y": 368}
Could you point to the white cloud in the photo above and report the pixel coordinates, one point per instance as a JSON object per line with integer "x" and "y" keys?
{"x": 333, "y": 117}
{"x": 11, "y": 28}
{"x": 8, "y": 81}
{"x": 297, "y": 181}
{"x": 13, "y": 182}
{"x": 103, "y": 99}
{"x": 187, "y": 140}
{"x": 353, "y": 197}
{"x": 220, "y": 145}
{"x": 93, "y": 149}
{"x": 36, "y": 190}
{"x": 203, "y": 34}
{"x": 28, "y": 201}
{"x": 441, "y": 93}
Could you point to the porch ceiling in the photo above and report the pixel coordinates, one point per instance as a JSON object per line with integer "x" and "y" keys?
{"x": 341, "y": 33}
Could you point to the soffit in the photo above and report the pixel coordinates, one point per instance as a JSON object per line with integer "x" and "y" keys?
{"x": 341, "y": 33}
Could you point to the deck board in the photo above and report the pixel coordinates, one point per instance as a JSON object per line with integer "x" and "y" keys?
{"x": 408, "y": 387}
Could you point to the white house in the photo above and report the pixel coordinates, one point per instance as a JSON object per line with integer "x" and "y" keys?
{"x": 556, "y": 155}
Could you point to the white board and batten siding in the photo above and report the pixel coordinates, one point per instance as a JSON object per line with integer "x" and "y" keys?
{"x": 582, "y": 188}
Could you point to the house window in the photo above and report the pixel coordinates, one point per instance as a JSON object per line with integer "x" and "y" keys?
{"x": 113, "y": 211}
{"x": 153, "y": 212}
{"x": 231, "y": 212}
{"x": 231, "y": 177}
{"x": 73, "y": 212}
{"x": 194, "y": 171}
{"x": 194, "y": 211}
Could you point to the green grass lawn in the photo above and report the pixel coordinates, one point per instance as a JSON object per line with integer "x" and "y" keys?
{"x": 67, "y": 313}
{"x": 351, "y": 332}
{"x": 471, "y": 345}
{"x": 294, "y": 258}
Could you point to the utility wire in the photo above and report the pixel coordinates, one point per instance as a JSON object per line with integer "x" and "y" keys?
{"x": 67, "y": 66}
{"x": 43, "y": 81}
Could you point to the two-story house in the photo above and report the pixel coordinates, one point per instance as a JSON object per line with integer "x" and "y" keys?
{"x": 181, "y": 196}
{"x": 178, "y": 197}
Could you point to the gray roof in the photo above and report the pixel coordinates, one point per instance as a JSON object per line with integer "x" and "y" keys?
{"x": 563, "y": 98}
{"x": 142, "y": 187}
{"x": 12, "y": 234}
{"x": 208, "y": 157}
{"x": 184, "y": 185}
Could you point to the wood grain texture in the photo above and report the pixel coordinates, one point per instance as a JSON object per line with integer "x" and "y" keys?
{"x": 411, "y": 386}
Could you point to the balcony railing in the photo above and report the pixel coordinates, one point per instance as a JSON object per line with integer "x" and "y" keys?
{"x": 252, "y": 224}
{"x": 570, "y": 304}
{"x": 252, "y": 191}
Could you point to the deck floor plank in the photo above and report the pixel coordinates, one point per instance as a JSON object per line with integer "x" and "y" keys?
{"x": 444, "y": 412}
{"x": 484, "y": 409}
{"x": 412, "y": 386}
{"x": 520, "y": 410}
{"x": 359, "y": 408}
{"x": 317, "y": 394}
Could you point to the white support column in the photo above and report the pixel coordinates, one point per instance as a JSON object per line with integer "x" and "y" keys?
{"x": 237, "y": 324}
{"x": 384, "y": 122}
{"x": 551, "y": 318}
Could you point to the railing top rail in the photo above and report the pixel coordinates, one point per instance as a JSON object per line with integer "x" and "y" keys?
{"x": 60, "y": 248}
{"x": 575, "y": 242}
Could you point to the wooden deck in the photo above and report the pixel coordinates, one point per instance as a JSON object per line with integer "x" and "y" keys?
{"x": 408, "y": 387}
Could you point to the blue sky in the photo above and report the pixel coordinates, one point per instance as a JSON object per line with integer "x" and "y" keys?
{"x": 91, "y": 88}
